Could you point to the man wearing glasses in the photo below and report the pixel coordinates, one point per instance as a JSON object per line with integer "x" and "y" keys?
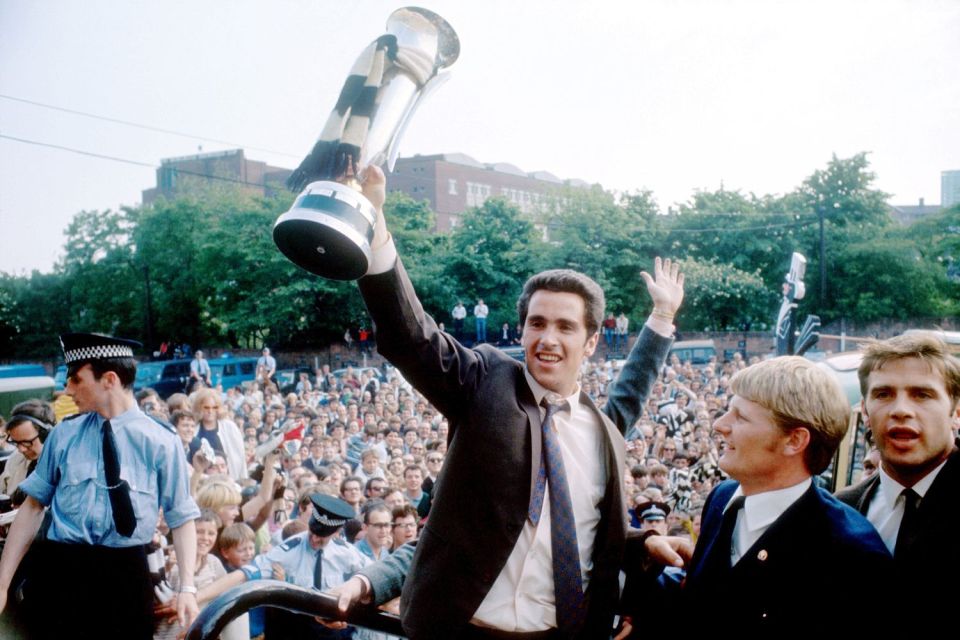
{"x": 434, "y": 464}
{"x": 29, "y": 426}
{"x": 377, "y": 523}
{"x": 375, "y": 488}
{"x": 404, "y": 525}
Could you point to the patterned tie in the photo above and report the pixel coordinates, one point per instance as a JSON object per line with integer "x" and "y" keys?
{"x": 722, "y": 545}
{"x": 318, "y": 570}
{"x": 567, "y": 580}
{"x": 124, "y": 521}
{"x": 911, "y": 500}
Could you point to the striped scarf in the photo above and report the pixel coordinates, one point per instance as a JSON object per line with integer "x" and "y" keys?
{"x": 338, "y": 149}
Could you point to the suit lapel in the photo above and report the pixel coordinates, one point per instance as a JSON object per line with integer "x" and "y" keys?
{"x": 785, "y": 536}
{"x": 528, "y": 403}
{"x": 712, "y": 519}
{"x": 869, "y": 488}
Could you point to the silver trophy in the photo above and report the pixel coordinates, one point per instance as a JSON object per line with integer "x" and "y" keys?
{"x": 329, "y": 228}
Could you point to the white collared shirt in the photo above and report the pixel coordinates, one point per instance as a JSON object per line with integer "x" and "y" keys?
{"x": 522, "y": 597}
{"x": 885, "y": 512}
{"x": 759, "y": 512}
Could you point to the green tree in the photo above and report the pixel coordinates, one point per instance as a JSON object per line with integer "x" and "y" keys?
{"x": 103, "y": 290}
{"x": 493, "y": 251}
{"x": 609, "y": 240}
{"x": 854, "y": 212}
{"x": 720, "y": 297}
{"x": 889, "y": 279}
{"x": 424, "y": 252}
{"x": 750, "y": 233}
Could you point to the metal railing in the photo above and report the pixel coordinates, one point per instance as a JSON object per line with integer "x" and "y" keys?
{"x": 273, "y": 593}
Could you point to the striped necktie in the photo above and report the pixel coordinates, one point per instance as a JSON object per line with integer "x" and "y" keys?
{"x": 567, "y": 579}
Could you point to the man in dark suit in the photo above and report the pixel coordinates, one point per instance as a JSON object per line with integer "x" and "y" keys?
{"x": 484, "y": 564}
{"x": 911, "y": 388}
{"x": 776, "y": 554}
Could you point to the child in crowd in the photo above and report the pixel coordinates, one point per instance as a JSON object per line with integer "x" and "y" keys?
{"x": 208, "y": 569}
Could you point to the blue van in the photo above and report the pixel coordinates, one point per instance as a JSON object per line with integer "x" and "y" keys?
{"x": 166, "y": 377}
{"x": 231, "y": 371}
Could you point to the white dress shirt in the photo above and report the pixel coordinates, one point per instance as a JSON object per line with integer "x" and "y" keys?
{"x": 758, "y": 513}
{"x": 522, "y": 597}
{"x": 885, "y": 512}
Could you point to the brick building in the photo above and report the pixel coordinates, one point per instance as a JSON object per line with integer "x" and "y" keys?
{"x": 453, "y": 182}
{"x": 185, "y": 174}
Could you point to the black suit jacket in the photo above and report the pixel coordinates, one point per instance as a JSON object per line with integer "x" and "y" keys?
{"x": 933, "y": 553}
{"x": 807, "y": 574}
{"x": 480, "y": 500}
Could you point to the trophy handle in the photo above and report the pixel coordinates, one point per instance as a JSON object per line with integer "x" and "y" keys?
{"x": 432, "y": 85}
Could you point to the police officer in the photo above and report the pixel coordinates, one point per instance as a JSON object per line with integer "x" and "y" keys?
{"x": 318, "y": 558}
{"x": 104, "y": 474}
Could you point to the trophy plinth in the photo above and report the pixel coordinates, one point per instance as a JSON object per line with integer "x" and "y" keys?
{"x": 328, "y": 231}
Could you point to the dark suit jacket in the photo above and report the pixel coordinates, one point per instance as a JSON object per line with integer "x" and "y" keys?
{"x": 815, "y": 565}
{"x": 481, "y": 498}
{"x": 933, "y": 554}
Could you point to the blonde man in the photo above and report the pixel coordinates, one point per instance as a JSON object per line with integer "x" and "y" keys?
{"x": 770, "y": 538}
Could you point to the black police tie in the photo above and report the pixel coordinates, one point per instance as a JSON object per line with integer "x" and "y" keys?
{"x": 911, "y": 500}
{"x": 724, "y": 541}
{"x": 124, "y": 521}
{"x": 318, "y": 570}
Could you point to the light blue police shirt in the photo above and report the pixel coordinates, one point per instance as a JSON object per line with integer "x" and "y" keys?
{"x": 298, "y": 559}
{"x": 69, "y": 479}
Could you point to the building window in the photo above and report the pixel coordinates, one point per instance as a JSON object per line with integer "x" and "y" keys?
{"x": 452, "y": 188}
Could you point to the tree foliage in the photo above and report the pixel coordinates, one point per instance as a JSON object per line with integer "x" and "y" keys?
{"x": 204, "y": 269}
{"x": 720, "y": 297}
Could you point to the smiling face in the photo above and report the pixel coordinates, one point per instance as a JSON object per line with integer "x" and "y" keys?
{"x": 754, "y": 443}
{"x": 187, "y": 429}
{"x": 206, "y": 537}
{"x": 379, "y": 529}
{"x": 555, "y": 339}
{"x": 910, "y": 414}
{"x": 239, "y": 555}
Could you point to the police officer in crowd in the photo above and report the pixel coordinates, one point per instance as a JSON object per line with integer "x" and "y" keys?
{"x": 318, "y": 558}
{"x": 104, "y": 474}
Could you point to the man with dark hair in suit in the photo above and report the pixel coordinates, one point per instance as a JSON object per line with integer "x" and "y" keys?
{"x": 540, "y": 486}
{"x": 911, "y": 388}
{"x": 776, "y": 555}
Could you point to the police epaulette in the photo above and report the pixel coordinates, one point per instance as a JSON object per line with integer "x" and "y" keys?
{"x": 163, "y": 423}
{"x": 291, "y": 544}
{"x": 74, "y": 415}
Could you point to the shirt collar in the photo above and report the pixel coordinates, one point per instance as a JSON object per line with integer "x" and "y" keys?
{"x": 762, "y": 509}
{"x": 539, "y": 391}
{"x": 891, "y": 489}
{"x": 125, "y": 418}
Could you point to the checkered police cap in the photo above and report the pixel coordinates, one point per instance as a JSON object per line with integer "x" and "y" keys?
{"x": 329, "y": 514}
{"x": 83, "y": 347}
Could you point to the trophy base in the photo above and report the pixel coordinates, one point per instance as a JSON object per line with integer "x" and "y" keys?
{"x": 328, "y": 231}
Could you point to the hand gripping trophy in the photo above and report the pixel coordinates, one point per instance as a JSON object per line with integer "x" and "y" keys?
{"x": 329, "y": 228}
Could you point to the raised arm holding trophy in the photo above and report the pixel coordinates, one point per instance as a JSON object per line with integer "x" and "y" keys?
{"x": 512, "y": 548}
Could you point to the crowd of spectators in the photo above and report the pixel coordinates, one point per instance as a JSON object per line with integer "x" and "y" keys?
{"x": 368, "y": 437}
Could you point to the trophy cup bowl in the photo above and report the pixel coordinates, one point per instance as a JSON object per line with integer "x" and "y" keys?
{"x": 329, "y": 228}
